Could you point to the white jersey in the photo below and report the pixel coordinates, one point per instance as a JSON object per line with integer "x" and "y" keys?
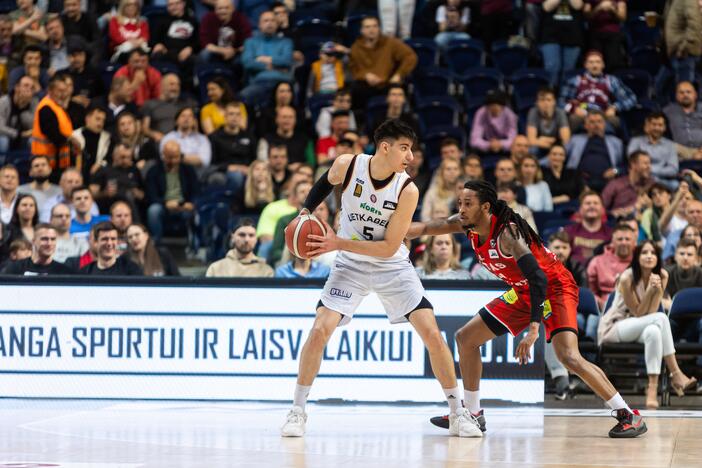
{"x": 367, "y": 210}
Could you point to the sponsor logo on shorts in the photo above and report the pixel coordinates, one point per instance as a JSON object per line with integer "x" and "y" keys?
{"x": 388, "y": 205}
{"x": 510, "y": 297}
{"x": 339, "y": 293}
{"x": 358, "y": 190}
{"x": 547, "y": 309}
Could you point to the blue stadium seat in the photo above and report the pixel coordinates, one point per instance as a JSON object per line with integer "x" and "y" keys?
{"x": 305, "y": 11}
{"x": 525, "y": 85}
{"x": 587, "y": 305}
{"x": 695, "y": 165}
{"x": 426, "y": 50}
{"x": 686, "y": 304}
{"x": 432, "y": 141}
{"x": 153, "y": 15}
{"x": 353, "y": 28}
{"x": 635, "y": 117}
{"x": 476, "y": 82}
{"x": 646, "y": 58}
{"x": 107, "y": 71}
{"x": 376, "y": 109}
{"x": 310, "y": 45}
{"x": 638, "y": 33}
{"x": 166, "y": 67}
{"x": 316, "y": 103}
{"x": 431, "y": 81}
{"x": 315, "y": 27}
{"x": 639, "y": 81}
{"x": 464, "y": 55}
{"x": 437, "y": 112}
{"x": 509, "y": 59}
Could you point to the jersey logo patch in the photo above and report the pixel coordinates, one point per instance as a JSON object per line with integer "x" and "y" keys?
{"x": 493, "y": 253}
{"x": 359, "y": 181}
{"x": 388, "y": 205}
{"x": 373, "y": 198}
{"x": 358, "y": 190}
{"x": 510, "y": 297}
{"x": 547, "y": 309}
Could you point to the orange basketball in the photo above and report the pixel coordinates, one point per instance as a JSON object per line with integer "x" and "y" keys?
{"x": 297, "y": 231}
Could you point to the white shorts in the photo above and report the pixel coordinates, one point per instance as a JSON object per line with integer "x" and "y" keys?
{"x": 397, "y": 285}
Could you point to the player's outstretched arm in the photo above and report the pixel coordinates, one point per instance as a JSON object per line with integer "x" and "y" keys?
{"x": 325, "y": 184}
{"x": 435, "y": 227}
{"x": 538, "y": 284}
{"x": 394, "y": 234}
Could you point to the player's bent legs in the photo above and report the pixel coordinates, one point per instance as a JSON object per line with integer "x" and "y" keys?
{"x": 424, "y": 322}
{"x": 565, "y": 344}
{"x": 311, "y": 356}
{"x": 469, "y": 338}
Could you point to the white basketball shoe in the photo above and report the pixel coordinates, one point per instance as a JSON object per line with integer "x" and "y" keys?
{"x": 464, "y": 424}
{"x": 295, "y": 423}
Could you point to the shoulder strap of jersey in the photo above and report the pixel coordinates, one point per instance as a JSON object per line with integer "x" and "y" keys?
{"x": 349, "y": 173}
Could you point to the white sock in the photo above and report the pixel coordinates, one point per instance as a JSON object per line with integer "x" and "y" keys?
{"x": 617, "y": 402}
{"x": 453, "y": 396}
{"x": 472, "y": 401}
{"x": 301, "y": 393}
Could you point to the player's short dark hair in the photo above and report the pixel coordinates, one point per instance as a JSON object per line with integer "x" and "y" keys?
{"x": 655, "y": 115}
{"x": 622, "y": 226}
{"x": 588, "y": 193}
{"x": 392, "y": 130}
{"x": 634, "y": 157}
{"x": 243, "y": 222}
{"x": 544, "y": 91}
{"x": 19, "y": 244}
{"x": 682, "y": 243}
{"x": 561, "y": 236}
{"x": 80, "y": 188}
{"x": 44, "y": 226}
{"x": 105, "y": 226}
{"x": 95, "y": 108}
{"x": 340, "y": 113}
{"x": 450, "y": 142}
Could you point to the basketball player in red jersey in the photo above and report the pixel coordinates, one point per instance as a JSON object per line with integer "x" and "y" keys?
{"x": 542, "y": 291}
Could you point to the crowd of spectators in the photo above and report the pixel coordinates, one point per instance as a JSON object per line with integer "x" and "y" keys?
{"x": 123, "y": 123}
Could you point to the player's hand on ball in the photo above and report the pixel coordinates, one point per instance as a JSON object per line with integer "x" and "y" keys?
{"x": 323, "y": 244}
{"x": 523, "y": 352}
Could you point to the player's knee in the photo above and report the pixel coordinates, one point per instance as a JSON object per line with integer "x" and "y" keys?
{"x": 464, "y": 338}
{"x": 571, "y": 359}
{"x": 433, "y": 340}
{"x": 319, "y": 336}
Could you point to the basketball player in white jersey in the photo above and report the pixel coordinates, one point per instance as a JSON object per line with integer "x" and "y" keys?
{"x": 377, "y": 203}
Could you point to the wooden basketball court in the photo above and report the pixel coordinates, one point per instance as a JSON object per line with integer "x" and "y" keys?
{"x": 97, "y": 434}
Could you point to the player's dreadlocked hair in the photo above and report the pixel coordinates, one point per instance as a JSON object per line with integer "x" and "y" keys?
{"x": 506, "y": 217}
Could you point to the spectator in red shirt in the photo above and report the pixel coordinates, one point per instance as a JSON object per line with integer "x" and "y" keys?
{"x": 590, "y": 232}
{"x": 127, "y": 29}
{"x": 144, "y": 80}
{"x": 223, "y": 32}
{"x": 326, "y": 147}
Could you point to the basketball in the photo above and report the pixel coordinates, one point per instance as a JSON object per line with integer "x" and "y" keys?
{"x": 297, "y": 231}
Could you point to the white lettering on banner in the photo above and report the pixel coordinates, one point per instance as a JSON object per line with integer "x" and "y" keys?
{"x": 220, "y": 342}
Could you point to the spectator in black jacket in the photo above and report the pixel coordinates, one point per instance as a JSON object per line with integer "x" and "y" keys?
{"x": 78, "y": 23}
{"x": 170, "y": 190}
{"x": 42, "y": 260}
{"x": 87, "y": 82}
{"x": 107, "y": 261}
{"x": 233, "y": 148}
{"x": 175, "y": 39}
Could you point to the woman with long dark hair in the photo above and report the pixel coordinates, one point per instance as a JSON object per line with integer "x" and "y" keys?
{"x": 143, "y": 251}
{"x": 635, "y": 317}
{"x": 283, "y": 95}
{"x": 212, "y": 114}
{"x": 24, "y": 217}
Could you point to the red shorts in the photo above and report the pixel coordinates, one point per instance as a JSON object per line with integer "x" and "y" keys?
{"x": 513, "y": 312}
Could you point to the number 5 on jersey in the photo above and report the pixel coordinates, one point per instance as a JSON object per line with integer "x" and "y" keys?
{"x": 368, "y": 232}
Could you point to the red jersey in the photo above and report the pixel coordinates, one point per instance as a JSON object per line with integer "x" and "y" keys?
{"x": 505, "y": 267}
